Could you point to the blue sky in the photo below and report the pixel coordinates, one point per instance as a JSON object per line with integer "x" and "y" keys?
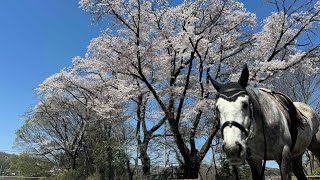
{"x": 38, "y": 39}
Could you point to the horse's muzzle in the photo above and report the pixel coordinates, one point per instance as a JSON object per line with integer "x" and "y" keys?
{"x": 236, "y": 152}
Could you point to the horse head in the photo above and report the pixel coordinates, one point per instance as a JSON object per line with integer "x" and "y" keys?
{"x": 233, "y": 110}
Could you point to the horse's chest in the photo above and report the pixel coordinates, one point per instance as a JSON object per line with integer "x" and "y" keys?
{"x": 274, "y": 142}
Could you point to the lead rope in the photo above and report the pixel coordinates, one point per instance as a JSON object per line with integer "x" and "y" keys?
{"x": 265, "y": 151}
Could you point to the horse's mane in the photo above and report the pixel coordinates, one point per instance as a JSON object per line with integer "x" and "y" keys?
{"x": 256, "y": 106}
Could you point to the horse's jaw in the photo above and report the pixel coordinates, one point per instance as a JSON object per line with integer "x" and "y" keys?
{"x": 236, "y": 162}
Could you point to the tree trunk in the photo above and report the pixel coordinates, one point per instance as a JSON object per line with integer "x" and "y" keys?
{"x": 130, "y": 171}
{"x": 110, "y": 157}
{"x": 102, "y": 173}
{"x": 191, "y": 170}
{"x": 110, "y": 167}
{"x": 74, "y": 161}
{"x": 145, "y": 160}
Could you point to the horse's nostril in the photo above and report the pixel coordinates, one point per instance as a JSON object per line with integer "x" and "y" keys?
{"x": 240, "y": 148}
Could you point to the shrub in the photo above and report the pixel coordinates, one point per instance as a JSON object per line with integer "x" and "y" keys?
{"x": 316, "y": 172}
{"x": 67, "y": 175}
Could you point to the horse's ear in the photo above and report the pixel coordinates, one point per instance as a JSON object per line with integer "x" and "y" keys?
{"x": 215, "y": 83}
{"x": 243, "y": 80}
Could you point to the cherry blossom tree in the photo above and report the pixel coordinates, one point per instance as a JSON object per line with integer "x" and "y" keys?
{"x": 53, "y": 129}
{"x": 69, "y": 118}
{"x": 289, "y": 39}
{"x": 139, "y": 110}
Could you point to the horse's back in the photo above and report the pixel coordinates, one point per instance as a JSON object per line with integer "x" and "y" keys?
{"x": 310, "y": 114}
{"x": 311, "y": 128}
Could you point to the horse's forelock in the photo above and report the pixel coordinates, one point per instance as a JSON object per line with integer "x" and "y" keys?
{"x": 231, "y": 91}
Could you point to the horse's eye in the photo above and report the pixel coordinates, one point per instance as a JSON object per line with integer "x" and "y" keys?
{"x": 245, "y": 105}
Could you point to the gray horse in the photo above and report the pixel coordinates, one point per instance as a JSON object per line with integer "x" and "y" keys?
{"x": 255, "y": 128}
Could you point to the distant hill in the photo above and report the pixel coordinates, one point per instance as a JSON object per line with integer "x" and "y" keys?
{"x": 272, "y": 172}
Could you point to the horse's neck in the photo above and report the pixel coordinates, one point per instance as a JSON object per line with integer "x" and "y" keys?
{"x": 266, "y": 107}
{"x": 270, "y": 125}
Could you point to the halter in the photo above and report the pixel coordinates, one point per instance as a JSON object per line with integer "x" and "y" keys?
{"x": 234, "y": 123}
